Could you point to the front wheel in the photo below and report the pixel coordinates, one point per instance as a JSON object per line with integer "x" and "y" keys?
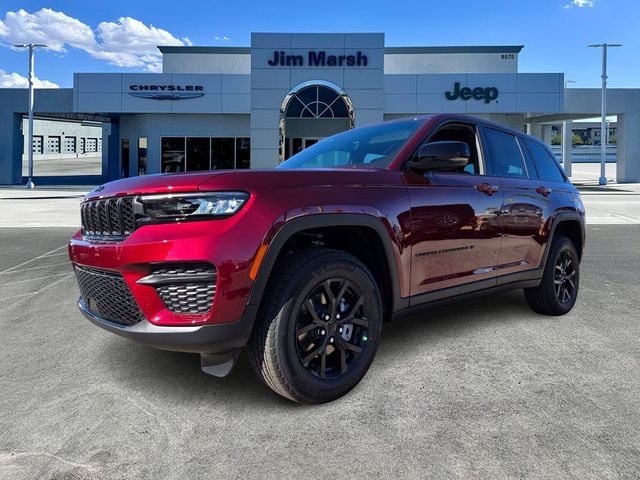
{"x": 558, "y": 289}
{"x": 319, "y": 327}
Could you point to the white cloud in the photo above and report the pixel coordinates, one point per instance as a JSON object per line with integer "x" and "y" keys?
{"x": 127, "y": 42}
{"x": 47, "y": 26}
{"x": 580, "y": 4}
{"x": 15, "y": 80}
{"x": 130, "y": 43}
{"x": 223, "y": 38}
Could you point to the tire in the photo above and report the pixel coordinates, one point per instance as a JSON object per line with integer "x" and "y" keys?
{"x": 294, "y": 349}
{"x": 558, "y": 289}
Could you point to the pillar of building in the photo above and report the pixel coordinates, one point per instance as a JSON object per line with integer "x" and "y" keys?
{"x": 567, "y": 145}
{"x": 113, "y": 151}
{"x": 547, "y": 133}
{"x": 628, "y": 151}
{"x": 535, "y": 130}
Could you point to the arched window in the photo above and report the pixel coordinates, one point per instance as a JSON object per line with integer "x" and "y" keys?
{"x": 317, "y": 101}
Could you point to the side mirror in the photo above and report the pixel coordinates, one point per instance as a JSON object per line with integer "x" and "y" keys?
{"x": 441, "y": 156}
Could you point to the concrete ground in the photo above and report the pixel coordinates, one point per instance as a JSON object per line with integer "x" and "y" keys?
{"x": 590, "y": 172}
{"x": 85, "y": 164}
{"x": 483, "y": 389}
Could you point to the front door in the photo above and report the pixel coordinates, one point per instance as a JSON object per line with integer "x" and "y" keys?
{"x": 453, "y": 229}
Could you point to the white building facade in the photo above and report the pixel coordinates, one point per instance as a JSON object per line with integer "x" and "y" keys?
{"x": 253, "y": 107}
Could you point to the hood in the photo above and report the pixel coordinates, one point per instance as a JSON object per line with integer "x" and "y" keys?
{"x": 255, "y": 180}
{"x": 249, "y": 180}
{"x": 149, "y": 184}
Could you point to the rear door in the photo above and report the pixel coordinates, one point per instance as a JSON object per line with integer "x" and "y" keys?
{"x": 453, "y": 224}
{"x": 525, "y": 203}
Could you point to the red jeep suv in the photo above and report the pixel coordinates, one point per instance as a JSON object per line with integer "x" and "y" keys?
{"x": 302, "y": 264}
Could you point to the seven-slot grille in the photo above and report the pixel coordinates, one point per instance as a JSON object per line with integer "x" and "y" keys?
{"x": 184, "y": 288}
{"x": 106, "y": 294}
{"x": 109, "y": 219}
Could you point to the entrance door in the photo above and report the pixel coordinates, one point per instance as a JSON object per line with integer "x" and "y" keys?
{"x": 297, "y": 144}
{"x": 310, "y": 141}
{"x": 310, "y": 112}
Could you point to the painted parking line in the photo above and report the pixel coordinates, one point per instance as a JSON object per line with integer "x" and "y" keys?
{"x": 6, "y": 284}
{"x": 10, "y": 269}
{"x": 28, "y": 294}
{"x": 56, "y": 254}
{"x": 7, "y": 272}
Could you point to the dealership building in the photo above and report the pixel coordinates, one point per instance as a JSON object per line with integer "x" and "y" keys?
{"x": 253, "y": 107}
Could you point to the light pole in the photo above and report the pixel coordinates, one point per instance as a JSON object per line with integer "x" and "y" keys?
{"x": 31, "y": 47}
{"x": 603, "y": 146}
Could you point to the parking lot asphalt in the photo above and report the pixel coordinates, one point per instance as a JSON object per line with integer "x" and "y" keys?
{"x": 482, "y": 389}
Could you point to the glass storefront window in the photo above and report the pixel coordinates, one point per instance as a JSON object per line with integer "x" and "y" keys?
{"x": 243, "y": 153}
{"x": 197, "y": 154}
{"x": 142, "y": 156}
{"x": 180, "y": 154}
{"x": 173, "y": 154}
{"x": 222, "y": 153}
{"x": 124, "y": 155}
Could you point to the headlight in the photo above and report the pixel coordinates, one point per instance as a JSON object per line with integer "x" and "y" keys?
{"x": 197, "y": 205}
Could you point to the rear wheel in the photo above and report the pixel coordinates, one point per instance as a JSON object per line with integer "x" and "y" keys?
{"x": 319, "y": 326}
{"x": 558, "y": 289}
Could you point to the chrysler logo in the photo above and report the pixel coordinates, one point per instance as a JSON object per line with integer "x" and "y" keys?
{"x": 166, "y": 92}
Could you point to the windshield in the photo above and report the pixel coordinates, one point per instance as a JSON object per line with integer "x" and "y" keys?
{"x": 371, "y": 147}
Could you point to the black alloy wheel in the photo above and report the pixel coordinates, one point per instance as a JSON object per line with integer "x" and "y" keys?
{"x": 564, "y": 276}
{"x": 558, "y": 290}
{"x": 319, "y": 326}
{"x": 332, "y": 328}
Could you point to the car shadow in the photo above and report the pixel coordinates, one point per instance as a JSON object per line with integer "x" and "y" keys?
{"x": 434, "y": 323}
{"x": 176, "y": 377}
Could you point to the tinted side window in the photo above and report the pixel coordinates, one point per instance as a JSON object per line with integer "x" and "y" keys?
{"x": 504, "y": 154}
{"x": 547, "y": 165}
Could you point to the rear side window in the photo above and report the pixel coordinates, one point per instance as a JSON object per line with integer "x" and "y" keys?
{"x": 547, "y": 165}
{"x": 504, "y": 154}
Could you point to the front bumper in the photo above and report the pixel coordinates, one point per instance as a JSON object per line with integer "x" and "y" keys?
{"x": 228, "y": 245}
{"x": 203, "y": 339}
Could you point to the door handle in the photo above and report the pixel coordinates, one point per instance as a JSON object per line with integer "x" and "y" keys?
{"x": 544, "y": 191}
{"x": 487, "y": 189}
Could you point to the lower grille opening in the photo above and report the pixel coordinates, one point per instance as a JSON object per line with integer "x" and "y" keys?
{"x": 184, "y": 288}
{"x": 107, "y": 295}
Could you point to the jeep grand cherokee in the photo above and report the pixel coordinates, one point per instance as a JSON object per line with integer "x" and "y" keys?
{"x": 302, "y": 264}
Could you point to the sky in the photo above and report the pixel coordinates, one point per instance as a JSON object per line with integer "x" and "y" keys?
{"x": 121, "y": 36}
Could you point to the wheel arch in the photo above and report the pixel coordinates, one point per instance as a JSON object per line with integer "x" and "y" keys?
{"x": 310, "y": 223}
{"x": 569, "y": 224}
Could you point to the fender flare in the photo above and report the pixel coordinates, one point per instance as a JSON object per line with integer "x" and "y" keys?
{"x": 299, "y": 224}
{"x": 557, "y": 219}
